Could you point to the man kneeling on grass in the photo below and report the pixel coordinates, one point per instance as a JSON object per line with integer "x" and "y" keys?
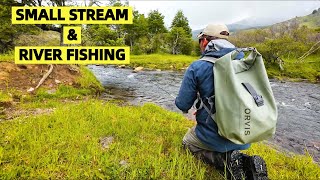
{"x": 203, "y": 140}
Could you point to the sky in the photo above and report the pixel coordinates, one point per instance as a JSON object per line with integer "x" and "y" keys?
{"x": 200, "y": 13}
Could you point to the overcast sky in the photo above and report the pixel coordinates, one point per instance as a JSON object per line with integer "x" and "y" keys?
{"x": 200, "y": 13}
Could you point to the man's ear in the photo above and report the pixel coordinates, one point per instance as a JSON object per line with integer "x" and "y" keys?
{"x": 205, "y": 42}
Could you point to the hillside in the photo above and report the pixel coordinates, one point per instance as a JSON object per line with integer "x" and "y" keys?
{"x": 312, "y": 21}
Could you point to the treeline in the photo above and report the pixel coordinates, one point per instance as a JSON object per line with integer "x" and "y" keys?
{"x": 146, "y": 35}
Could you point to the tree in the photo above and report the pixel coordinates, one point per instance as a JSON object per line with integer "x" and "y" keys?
{"x": 179, "y": 41}
{"x": 101, "y": 35}
{"x": 136, "y": 30}
{"x": 180, "y": 20}
{"x": 179, "y": 37}
{"x": 156, "y": 23}
{"x": 118, "y": 28}
{"x": 9, "y": 32}
{"x": 49, "y": 3}
{"x": 314, "y": 11}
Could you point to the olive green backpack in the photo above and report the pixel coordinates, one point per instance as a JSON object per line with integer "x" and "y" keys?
{"x": 246, "y": 111}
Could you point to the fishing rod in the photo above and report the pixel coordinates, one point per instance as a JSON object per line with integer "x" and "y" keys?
{"x": 163, "y": 89}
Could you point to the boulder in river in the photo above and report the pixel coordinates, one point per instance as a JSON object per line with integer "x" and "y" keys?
{"x": 137, "y": 69}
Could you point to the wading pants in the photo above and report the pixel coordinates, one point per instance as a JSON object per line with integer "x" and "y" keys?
{"x": 200, "y": 151}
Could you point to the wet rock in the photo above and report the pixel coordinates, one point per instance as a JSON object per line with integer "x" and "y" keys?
{"x": 137, "y": 69}
{"x": 130, "y": 76}
{"x": 106, "y": 141}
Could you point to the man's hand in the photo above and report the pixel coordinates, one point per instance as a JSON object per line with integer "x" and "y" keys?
{"x": 195, "y": 112}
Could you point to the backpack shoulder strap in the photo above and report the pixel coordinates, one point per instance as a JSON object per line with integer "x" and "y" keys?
{"x": 209, "y": 59}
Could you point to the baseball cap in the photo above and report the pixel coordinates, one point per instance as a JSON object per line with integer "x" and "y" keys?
{"x": 217, "y": 30}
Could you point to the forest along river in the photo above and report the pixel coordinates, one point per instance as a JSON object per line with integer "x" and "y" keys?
{"x": 298, "y": 127}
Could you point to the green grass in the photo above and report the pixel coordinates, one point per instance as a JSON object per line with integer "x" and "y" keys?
{"x": 309, "y": 69}
{"x": 87, "y": 80}
{"x": 162, "y": 61}
{"x": 286, "y": 166}
{"x": 62, "y": 91}
{"x": 4, "y": 97}
{"x": 8, "y": 57}
{"x": 66, "y": 144}
{"x": 146, "y": 145}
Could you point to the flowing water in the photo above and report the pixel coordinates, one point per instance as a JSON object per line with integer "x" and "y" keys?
{"x": 298, "y": 127}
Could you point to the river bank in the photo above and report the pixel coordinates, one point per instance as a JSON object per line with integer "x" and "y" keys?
{"x": 66, "y": 134}
{"x": 298, "y": 127}
{"x": 293, "y": 70}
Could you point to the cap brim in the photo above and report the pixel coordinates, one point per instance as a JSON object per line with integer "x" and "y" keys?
{"x": 200, "y": 35}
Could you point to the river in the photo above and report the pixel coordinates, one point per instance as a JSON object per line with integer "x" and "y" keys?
{"x": 298, "y": 126}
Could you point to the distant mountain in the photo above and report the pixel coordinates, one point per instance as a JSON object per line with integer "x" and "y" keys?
{"x": 247, "y": 23}
{"x": 312, "y": 20}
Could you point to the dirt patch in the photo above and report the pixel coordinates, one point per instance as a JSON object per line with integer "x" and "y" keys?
{"x": 24, "y": 77}
{"x": 12, "y": 112}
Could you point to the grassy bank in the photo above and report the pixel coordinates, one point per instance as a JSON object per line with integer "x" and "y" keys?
{"x": 308, "y": 69}
{"x": 95, "y": 139}
{"x": 162, "y": 61}
{"x": 86, "y": 85}
{"x": 83, "y": 83}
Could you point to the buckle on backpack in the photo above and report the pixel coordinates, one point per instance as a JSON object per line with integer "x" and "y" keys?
{"x": 259, "y": 100}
